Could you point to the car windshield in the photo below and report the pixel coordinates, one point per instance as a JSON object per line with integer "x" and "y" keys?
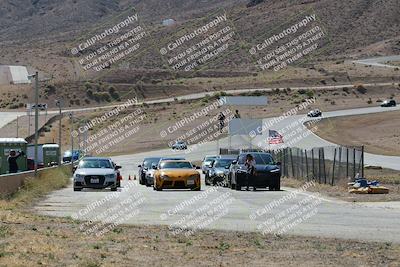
{"x": 67, "y": 153}
{"x": 222, "y": 163}
{"x": 95, "y": 163}
{"x": 209, "y": 159}
{"x": 150, "y": 162}
{"x": 176, "y": 165}
{"x": 261, "y": 159}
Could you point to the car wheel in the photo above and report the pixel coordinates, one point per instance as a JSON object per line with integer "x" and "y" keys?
{"x": 238, "y": 187}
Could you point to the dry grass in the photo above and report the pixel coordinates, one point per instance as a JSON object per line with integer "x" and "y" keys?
{"x": 27, "y": 239}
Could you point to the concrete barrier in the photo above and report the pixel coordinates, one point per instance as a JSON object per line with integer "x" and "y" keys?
{"x": 10, "y": 183}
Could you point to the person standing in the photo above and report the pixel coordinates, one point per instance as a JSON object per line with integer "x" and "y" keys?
{"x": 237, "y": 115}
{"x": 12, "y": 161}
{"x": 251, "y": 170}
{"x": 221, "y": 119}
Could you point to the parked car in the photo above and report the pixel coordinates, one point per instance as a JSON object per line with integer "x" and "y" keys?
{"x": 179, "y": 145}
{"x": 146, "y": 166}
{"x": 388, "y": 103}
{"x": 76, "y": 155}
{"x": 268, "y": 172}
{"x": 218, "y": 172}
{"x": 97, "y": 173}
{"x": 176, "y": 174}
{"x": 206, "y": 163}
{"x": 314, "y": 113}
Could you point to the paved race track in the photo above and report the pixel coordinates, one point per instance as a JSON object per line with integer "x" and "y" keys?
{"x": 333, "y": 218}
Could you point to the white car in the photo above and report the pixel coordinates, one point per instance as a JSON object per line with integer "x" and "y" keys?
{"x": 179, "y": 145}
{"x": 314, "y": 113}
{"x": 97, "y": 173}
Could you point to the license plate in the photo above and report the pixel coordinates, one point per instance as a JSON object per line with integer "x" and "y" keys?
{"x": 94, "y": 181}
{"x": 190, "y": 182}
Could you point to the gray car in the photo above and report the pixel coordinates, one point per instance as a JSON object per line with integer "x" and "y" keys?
{"x": 218, "y": 172}
{"x": 97, "y": 173}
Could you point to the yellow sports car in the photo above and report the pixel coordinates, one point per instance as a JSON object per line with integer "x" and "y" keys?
{"x": 179, "y": 174}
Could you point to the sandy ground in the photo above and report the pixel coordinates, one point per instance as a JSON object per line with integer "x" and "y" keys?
{"x": 386, "y": 177}
{"x": 378, "y": 132}
{"x": 161, "y": 116}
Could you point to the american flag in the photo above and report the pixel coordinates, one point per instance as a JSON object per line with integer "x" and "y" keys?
{"x": 274, "y": 138}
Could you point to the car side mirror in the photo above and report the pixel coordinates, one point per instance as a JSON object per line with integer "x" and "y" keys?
{"x": 279, "y": 163}
{"x": 154, "y": 167}
{"x": 234, "y": 162}
{"x": 139, "y": 166}
{"x": 118, "y": 167}
{"x": 198, "y": 168}
{"x": 227, "y": 167}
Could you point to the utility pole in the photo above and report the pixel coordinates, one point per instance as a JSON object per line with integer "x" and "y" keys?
{"x": 36, "y": 76}
{"x": 36, "y": 119}
{"x": 71, "y": 116}
{"x": 58, "y": 104}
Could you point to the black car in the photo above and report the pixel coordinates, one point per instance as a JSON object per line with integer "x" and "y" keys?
{"x": 147, "y": 165}
{"x": 268, "y": 172}
{"x": 388, "y": 103}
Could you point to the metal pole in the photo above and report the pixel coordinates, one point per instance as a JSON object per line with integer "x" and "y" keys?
{"x": 347, "y": 162}
{"x": 333, "y": 169}
{"x": 354, "y": 163}
{"x": 305, "y": 153}
{"x": 36, "y": 119}
{"x": 362, "y": 162}
{"x": 17, "y": 126}
{"x": 29, "y": 121}
{"x": 59, "y": 132}
{"x": 71, "y": 116}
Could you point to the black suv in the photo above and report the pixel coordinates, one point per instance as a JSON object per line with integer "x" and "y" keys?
{"x": 268, "y": 172}
{"x": 388, "y": 103}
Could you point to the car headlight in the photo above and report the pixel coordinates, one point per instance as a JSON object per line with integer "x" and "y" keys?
{"x": 275, "y": 170}
{"x": 110, "y": 176}
{"x": 164, "y": 177}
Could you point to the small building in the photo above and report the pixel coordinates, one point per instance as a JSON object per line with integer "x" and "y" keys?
{"x": 14, "y": 75}
{"x": 8, "y": 144}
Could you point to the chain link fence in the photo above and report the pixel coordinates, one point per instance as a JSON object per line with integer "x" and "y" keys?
{"x": 326, "y": 165}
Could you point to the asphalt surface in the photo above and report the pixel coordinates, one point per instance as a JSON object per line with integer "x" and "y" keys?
{"x": 379, "y": 61}
{"x": 330, "y": 217}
